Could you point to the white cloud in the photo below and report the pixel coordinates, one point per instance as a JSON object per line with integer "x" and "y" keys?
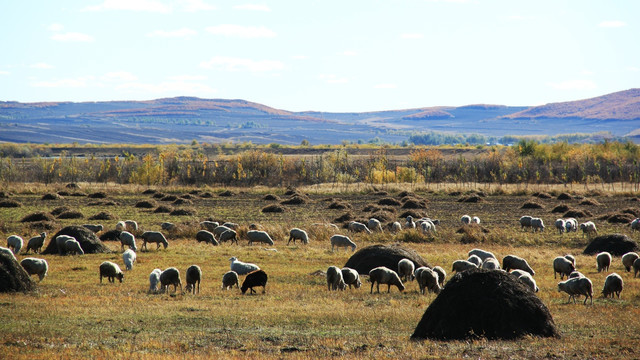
{"x": 2, "y": 72}
{"x": 195, "y": 5}
{"x": 174, "y": 87}
{"x": 72, "y": 37}
{"x": 333, "y": 79}
{"x": 79, "y": 82}
{"x": 412, "y": 36}
{"x": 633, "y": 69}
{"x": 587, "y": 72}
{"x": 252, "y": 7}
{"x": 55, "y": 27}
{"x": 612, "y": 24}
{"x": 349, "y": 53}
{"x": 41, "y": 65}
{"x": 184, "y": 33}
{"x": 241, "y": 31}
{"x": 118, "y": 76}
{"x": 132, "y": 5}
{"x": 187, "y": 78}
{"x": 241, "y": 64}
{"x": 573, "y": 85}
{"x": 385, "y": 86}
{"x": 300, "y": 57}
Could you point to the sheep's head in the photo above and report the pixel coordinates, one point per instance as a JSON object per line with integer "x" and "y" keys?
{"x": 120, "y": 276}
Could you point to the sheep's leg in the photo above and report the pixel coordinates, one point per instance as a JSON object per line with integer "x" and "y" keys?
{"x": 388, "y": 288}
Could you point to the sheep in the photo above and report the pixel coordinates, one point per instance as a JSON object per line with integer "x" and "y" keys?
{"x": 358, "y": 227}
{"x": 154, "y": 280}
{"x": 490, "y": 264}
{"x": 636, "y": 267}
{"x": 334, "y": 279}
{"x": 72, "y": 246}
{"x": 207, "y": 237}
{"x": 35, "y": 266}
{"x": 15, "y": 242}
{"x": 410, "y": 224}
{"x": 560, "y": 226}
{"x": 613, "y": 284}
{"x": 571, "y": 225}
{"x": 218, "y": 230}
{"x": 231, "y": 225}
{"x": 529, "y": 281}
{"x": 562, "y": 266}
{"x": 396, "y": 227}
{"x": 131, "y": 225}
{"x": 36, "y": 243}
{"x": 253, "y": 279}
{"x": 571, "y": 258}
{"x": 351, "y": 277}
{"x": 588, "y": 228}
{"x": 441, "y": 274}
{"x": 255, "y": 226}
{"x": 635, "y": 225}
{"x": 128, "y": 257}
{"x": 298, "y": 234}
{"x": 406, "y": 268}
{"x": 8, "y": 253}
{"x": 168, "y": 226}
{"x": 229, "y": 235}
{"x": 111, "y": 271}
{"x": 194, "y": 275}
{"x": 430, "y": 280}
{"x": 95, "y": 228}
{"x": 384, "y": 275}
{"x": 342, "y": 241}
{"x": 427, "y": 227}
{"x": 475, "y": 220}
{"x": 537, "y": 224}
{"x": 259, "y": 236}
{"x": 577, "y": 286}
{"x": 209, "y": 225}
{"x": 603, "y": 261}
{"x": 242, "y": 268}
{"x": 482, "y": 254}
{"x": 575, "y": 274}
{"x": 628, "y": 259}
{"x": 465, "y": 219}
{"x": 514, "y": 262}
{"x": 170, "y": 276}
{"x": 517, "y": 272}
{"x": 525, "y": 222}
{"x": 462, "y": 265}
{"x": 229, "y": 279}
{"x": 121, "y": 226}
{"x": 153, "y": 237}
{"x": 475, "y": 259}
{"x": 60, "y": 240}
{"x": 127, "y": 238}
{"x": 374, "y": 225}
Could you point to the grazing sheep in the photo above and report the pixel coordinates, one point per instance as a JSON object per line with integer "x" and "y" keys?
{"x": 153, "y": 237}
{"x": 529, "y": 281}
{"x": 154, "y": 280}
{"x": 515, "y": 262}
{"x": 121, "y": 226}
{"x": 577, "y": 286}
{"x": 462, "y": 265}
{"x": 475, "y": 220}
{"x": 253, "y": 279}
{"x": 384, "y": 275}
{"x": 220, "y": 229}
{"x": 194, "y": 275}
{"x": 60, "y": 240}
{"x": 571, "y": 225}
{"x": 465, "y": 219}
{"x": 406, "y": 269}
{"x": 396, "y": 227}
{"x": 72, "y": 246}
{"x": 374, "y": 225}
{"x": 351, "y": 277}
{"x": 358, "y": 227}
{"x": 259, "y": 236}
{"x": 416, "y": 275}
{"x": 35, "y": 266}
{"x": 242, "y": 268}
{"x": 209, "y": 225}
{"x": 571, "y": 258}
{"x": 427, "y": 227}
{"x": 229, "y": 235}
{"x": 95, "y": 228}
{"x": 575, "y": 274}
{"x": 490, "y": 264}
{"x": 482, "y": 254}
{"x": 537, "y": 224}
{"x": 131, "y": 225}
{"x": 231, "y": 225}
{"x": 613, "y": 284}
{"x": 335, "y": 281}
{"x": 588, "y": 228}
{"x": 229, "y": 279}
{"x": 206, "y": 236}
{"x": 525, "y": 222}
{"x": 636, "y": 267}
{"x": 628, "y": 259}
{"x": 8, "y": 253}
{"x": 517, "y": 272}
{"x": 635, "y": 225}
{"x": 441, "y": 274}
{"x": 15, "y": 242}
{"x": 342, "y": 241}
{"x": 127, "y": 238}
{"x": 429, "y": 280}
{"x": 111, "y": 271}
{"x": 561, "y": 226}
{"x": 36, "y": 243}
{"x": 475, "y": 259}
{"x": 410, "y": 224}
{"x": 298, "y": 234}
{"x": 603, "y": 261}
{"x": 562, "y": 266}
{"x": 255, "y": 226}
{"x": 170, "y": 276}
{"x": 168, "y": 226}
{"x": 128, "y": 257}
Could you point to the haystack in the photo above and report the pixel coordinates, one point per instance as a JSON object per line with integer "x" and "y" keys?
{"x": 183, "y": 212}
{"x": 565, "y": 196}
{"x": 485, "y": 303}
{"x": 532, "y": 205}
{"x": 9, "y": 204}
{"x": 59, "y": 210}
{"x": 12, "y": 276}
{"x": 373, "y": 256}
{"x": 560, "y": 209}
{"x": 169, "y": 198}
{"x": 37, "y": 216}
{"x": 295, "y": 200}
{"x": 471, "y": 199}
{"x": 111, "y": 235}
{"x": 146, "y": 204}
{"x": 339, "y": 205}
{"x": 51, "y": 196}
{"x": 614, "y": 244}
{"x": 273, "y": 208}
{"x": 97, "y": 195}
{"x": 578, "y": 213}
{"x": 163, "y": 209}
{"x": 271, "y": 197}
{"x": 413, "y": 203}
{"x": 71, "y": 214}
{"x": 103, "y": 215}
{"x": 88, "y": 240}
{"x": 227, "y": 193}
{"x": 389, "y": 202}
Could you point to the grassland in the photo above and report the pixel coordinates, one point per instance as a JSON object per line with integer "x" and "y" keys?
{"x": 72, "y": 315}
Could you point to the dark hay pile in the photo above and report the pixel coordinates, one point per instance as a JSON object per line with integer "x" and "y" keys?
{"x": 182, "y": 201}
{"x": 344, "y": 217}
{"x": 371, "y": 208}
{"x": 111, "y": 235}
{"x": 103, "y": 215}
{"x": 159, "y": 195}
{"x": 194, "y": 192}
{"x": 187, "y": 196}
{"x": 578, "y": 213}
{"x": 615, "y": 244}
{"x": 590, "y": 202}
{"x": 291, "y": 192}
{"x": 414, "y": 214}
{"x": 97, "y": 195}
{"x": 63, "y": 193}
{"x": 183, "y": 212}
{"x": 542, "y": 195}
{"x": 412, "y": 203}
{"x": 51, "y": 196}
{"x": 617, "y": 218}
{"x": 169, "y": 198}
{"x": 88, "y": 240}
{"x": 79, "y": 194}
{"x": 296, "y": 200}
{"x": 471, "y": 199}
{"x": 271, "y": 197}
{"x": 531, "y": 205}
{"x": 455, "y": 193}
{"x": 472, "y": 233}
{"x": 565, "y": 196}
{"x": 389, "y": 202}
{"x": 72, "y": 186}
{"x": 149, "y": 192}
{"x": 383, "y": 216}
{"x": 631, "y": 211}
{"x": 41, "y": 225}
{"x": 206, "y": 195}
{"x": 103, "y": 203}
{"x": 146, "y": 204}
{"x": 485, "y": 303}
{"x": 71, "y": 214}
{"x": 37, "y": 216}
{"x": 4, "y": 195}
{"x": 227, "y": 193}
{"x": 59, "y": 210}
{"x": 13, "y": 278}
{"x": 373, "y": 256}
{"x": 406, "y": 193}
{"x": 162, "y": 209}
{"x": 380, "y": 193}
{"x": 273, "y": 208}
{"x": 339, "y": 205}
{"x": 9, "y": 204}
{"x": 560, "y": 209}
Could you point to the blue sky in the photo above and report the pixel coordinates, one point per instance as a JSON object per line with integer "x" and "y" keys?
{"x": 320, "y": 55}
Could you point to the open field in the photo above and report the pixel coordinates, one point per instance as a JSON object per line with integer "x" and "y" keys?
{"x": 72, "y": 315}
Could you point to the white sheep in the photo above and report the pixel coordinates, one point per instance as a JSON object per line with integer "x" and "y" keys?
{"x": 259, "y": 236}
{"x": 441, "y": 274}
{"x": 131, "y": 225}
{"x": 529, "y": 281}
{"x": 218, "y": 230}
{"x": 576, "y": 287}
{"x": 242, "y": 268}
{"x": 193, "y": 278}
{"x": 153, "y": 237}
{"x": 562, "y": 266}
{"x": 36, "y": 243}
{"x": 406, "y": 268}
{"x": 525, "y": 222}
{"x": 35, "y": 266}
{"x": 475, "y": 259}
{"x": 95, "y": 228}
{"x": 128, "y": 258}
{"x": 127, "y": 238}
{"x": 342, "y": 241}
{"x": 613, "y": 284}
{"x": 628, "y": 259}
{"x": 475, "y": 220}
{"x": 515, "y": 262}
{"x": 482, "y": 254}
{"x": 111, "y": 271}
{"x": 374, "y": 225}
{"x": 168, "y": 226}
{"x": 154, "y": 280}
{"x": 207, "y": 237}
{"x": 430, "y": 280}
{"x": 410, "y": 224}
{"x": 121, "y": 226}
{"x": 384, "y": 275}
{"x": 490, "y": 264}
{"x": 588, "y": 228}
{"x": 229, "y": 235}
{"x": 209, "y": 225}
{"x": 231, "y": 225}
{"x": 635, "y": 224}
{"x": 229, "y": 279}
{"x": 575, "y": 274}
{"x": 603, "y": 261}
{"x": 571, "y": 225}
{"x": 465, "y": 219}
{"x": 298, "y": 234}
{"x": 72, "y": 246}
{"x": 396, "y": 227}
{"x": 334, "y": 279}
{"x": 636, "y": 267}
{"x": 560, "y": 226}
{"x": 351, "y": 277}
{"x": 60, "y": 240}
{"x": 170, "y": 276}
{"x": 427, "y": 227}
{"x": 537, "y": 224}
{"x": 462, "y": 265}
{"x": 358, "y": 227}
{"x": 15, "y": 242}
{"x": 517, "y": 272}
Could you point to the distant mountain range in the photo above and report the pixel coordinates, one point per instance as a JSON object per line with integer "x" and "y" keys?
{"x": 183, "y": 119}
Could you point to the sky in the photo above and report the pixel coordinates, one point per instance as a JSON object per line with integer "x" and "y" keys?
{"x": 340, "y": 56}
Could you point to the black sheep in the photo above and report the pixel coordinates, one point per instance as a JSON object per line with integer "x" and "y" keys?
{"x": 253, "y": 279}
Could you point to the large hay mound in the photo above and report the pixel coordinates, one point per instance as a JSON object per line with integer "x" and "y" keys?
{"x": 146, "y": 204}
{"x": 9, "y": 204}
{"x": 617, "y": 218}
{"x": 590, "y": 202}
{"x": 163, "y": 209}
{"x": 227, "y": 193}
{"x": 578, "y": 213}
{"x": 373, "y": 256}
{"x": 614, "y": 244}
{"x": 206, "y": 195}
{"x": 565, "y": 196}
{"x": 71, "y": 214}
{"x": 542, "y": 195}
{"x": 12, "y": 276}
{"x": 414, "y": 214}
{"x": 485, "y": 303}
{"x": 295, "y": 200}
{"x": 97, "y": 195}
{"x": 273, "y": 208}
{"x": 59, "y": 210}
{"x": 51, "y": 196}
{"x": 339, "y": 205}
{"x": 471, "y": 199}
{"x": 383, "y": 216}
{"x": 88, "y": 240}
{"x": 183, "y": 212}
{"x": 169, "y": 198}
{"x": 412, "y": 203}
{"x": 182, "y": 201}
{"x": 344, "y": 217}
{"x": 560, "y": 209}
{"x": 531, "y": 205}
{"x": 158, "y": 195}
{"x": 271, "y": 197}
{"x": 149, "y": 192}
{"x": 389, "y": 202}
{"x": 103, "y": 215}
{"x": 37, "y": 216}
